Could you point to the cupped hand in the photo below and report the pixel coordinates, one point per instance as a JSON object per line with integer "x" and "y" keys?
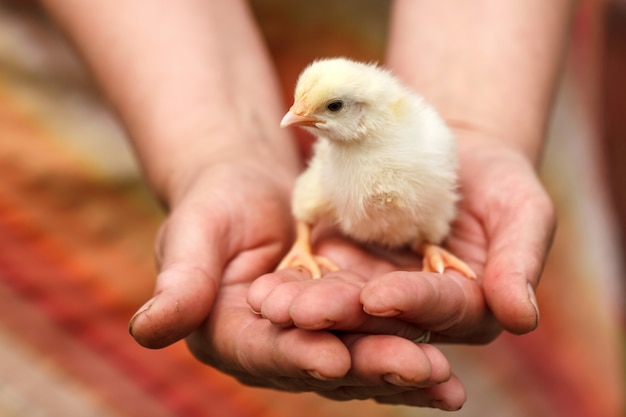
{"x": 503, "y": 231}
{"x": 230, "y": 226}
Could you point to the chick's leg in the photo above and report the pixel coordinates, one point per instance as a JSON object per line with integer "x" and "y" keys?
{"x": 301, "y": 254}
{"x": 437, "y": 259}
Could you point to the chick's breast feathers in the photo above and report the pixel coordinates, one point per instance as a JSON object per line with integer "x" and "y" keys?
{"x": 395, "y": 184}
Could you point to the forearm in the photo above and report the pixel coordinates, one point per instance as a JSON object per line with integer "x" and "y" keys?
{"x": 489, "y": 66}
{"x": 190, "y": 80}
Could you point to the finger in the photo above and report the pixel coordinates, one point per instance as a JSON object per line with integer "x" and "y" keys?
{"x": 261, "y": 287}
{"x": 191, "y": 261}
{"x": 292, "y": 352}
{"x": 379, "y": 359}
{"x": 520, "y": 240}
{"x": 276, "y": 305}
{"x": 335, "y": 303}
{"x": 330, "y": 303}
{"x": 240, "y": 342}
{"x": 448, "y": 396}
{"x": 449, "y": 305}
{"x": 320, "y": 304}
{"x": 395, "y": 371}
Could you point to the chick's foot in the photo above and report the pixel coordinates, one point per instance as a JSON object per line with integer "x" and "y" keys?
{"x": 437, "y": 259}
{"x": 297, "y": 258}
{"x": 301, "y": 255}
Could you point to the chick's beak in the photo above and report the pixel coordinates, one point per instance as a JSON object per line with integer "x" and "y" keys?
{"x": 297, "y": 116}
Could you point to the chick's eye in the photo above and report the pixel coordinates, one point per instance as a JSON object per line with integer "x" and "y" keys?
{"x": 335, "y": 106}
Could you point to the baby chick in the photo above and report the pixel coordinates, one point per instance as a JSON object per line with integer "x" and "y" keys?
{"x": 383, "y": 168}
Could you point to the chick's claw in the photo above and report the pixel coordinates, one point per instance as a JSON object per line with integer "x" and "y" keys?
{"x": 312, "y": 263}
{"x": 297, "y": 258}
{"x": 437, "y": 259}
{"x": 301, "y": 255}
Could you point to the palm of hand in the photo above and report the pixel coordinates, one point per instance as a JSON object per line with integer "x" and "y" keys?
{"x": 218, "y": 241}
{"x": 383, "y": 292}
{"x": 227, "y": 230}
{"x": 493, "y": 233}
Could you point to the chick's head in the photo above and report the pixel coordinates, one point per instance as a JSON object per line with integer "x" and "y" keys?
{"x": 344, "y": 100}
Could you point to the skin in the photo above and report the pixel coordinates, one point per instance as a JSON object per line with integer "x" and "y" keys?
{"x": 206, "y": 131}
{"x": 506, "y": 220}
{"x": 495, "y": 141}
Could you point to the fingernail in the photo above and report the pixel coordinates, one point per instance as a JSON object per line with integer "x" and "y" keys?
{"x": 147, "y": 306}
{"x": 317, "y": 375}
{"x": 443, "y": 406}
{"x": 533, "y": 300}
{"x": 324, "y": 324}
{"x": 438, "y": 404}
{"x": 397, "y": 380}
{"x": 388, "y": 313}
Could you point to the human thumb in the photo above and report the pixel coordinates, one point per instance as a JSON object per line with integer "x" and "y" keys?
{"x": 191, "y": 263}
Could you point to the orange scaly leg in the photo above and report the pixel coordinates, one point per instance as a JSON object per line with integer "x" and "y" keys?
{"x": 437, "y": 259}
{"x": 301, "y": 254}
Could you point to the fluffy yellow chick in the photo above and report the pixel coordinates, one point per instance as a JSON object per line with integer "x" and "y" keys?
{"x": 383, "y": 168}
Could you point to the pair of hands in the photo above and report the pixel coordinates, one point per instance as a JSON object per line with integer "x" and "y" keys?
{"x": 286, "y": 331}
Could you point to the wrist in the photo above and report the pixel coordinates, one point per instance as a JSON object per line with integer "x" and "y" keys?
{"x": 525, "y": 142}
{"x": 172, "y": 171}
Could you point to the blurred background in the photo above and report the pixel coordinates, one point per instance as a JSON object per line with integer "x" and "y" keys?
{"x": 77, "y": 224}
